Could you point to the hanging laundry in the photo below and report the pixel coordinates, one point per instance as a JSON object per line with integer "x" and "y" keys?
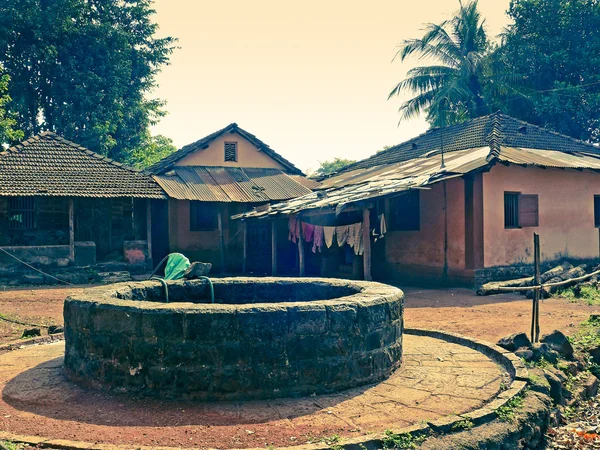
{"x": 294, "y": 227}
{"x": 318, "y": 239}
{"x": 328, "y": 233}
{"x": 342, "y": 235}
{"x": 308, "y": 231}
{"x": 381, "y": 229}
{"x": 355, "y": 237}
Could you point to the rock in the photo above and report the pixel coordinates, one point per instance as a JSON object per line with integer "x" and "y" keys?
{"x": 558, "y": 342}
{"x": 55, "y": 329}
{"x": 595, "y": 354}
{"x": 197, "y": 270}
{"x": 543, "y": 350}
{"x": 514, "y": 342}
{"x": 114, "y": 277}
{"x": 556, "y": 389}
{"x": 570, "y": 367}
{"x": 590, "y": 387}
{"x": 31, "y": 332}
{"x": 524, "y": 353}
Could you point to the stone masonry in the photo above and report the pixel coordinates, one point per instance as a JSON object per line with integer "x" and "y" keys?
{"x": 262, "y": 338}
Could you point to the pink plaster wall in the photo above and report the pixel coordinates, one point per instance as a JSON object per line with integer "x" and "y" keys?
{"x": 566, "y": 214}
{"x": 409, "y": 250}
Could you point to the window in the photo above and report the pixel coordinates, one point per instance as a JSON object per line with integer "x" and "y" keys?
{"x": 203, "y": 216}
{"x": 231, "y": 151}
{"x": 405, "y": 212}
{"x": 597, "y": 211}
{"x": 520, "y": 210}
{"x": 21, "y": 213}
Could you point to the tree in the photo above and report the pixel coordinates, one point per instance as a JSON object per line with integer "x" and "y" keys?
{"x": 330, "y": 167}
{"x": 151, "y": 151}
{"x": 452, "y": 90}
{"x": 84, "y": 69}
{"x": 555, "y": 45}
{"x": 8, "y": 133}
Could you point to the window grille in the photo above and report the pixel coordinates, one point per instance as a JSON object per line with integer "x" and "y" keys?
{"x": 597, "y": 211}
{"x": 21, "y": 213}
{"x": 203, "y": 216}
{"x": 511, "y": 210}
{"x": 231, "y": 151}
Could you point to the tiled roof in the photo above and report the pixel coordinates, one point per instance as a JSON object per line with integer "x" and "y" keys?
{"x": 169, "y": 162}
{"x": 49, "y": 165}
{"x": 229, "y": 184}
{"x": 491, "y": 131}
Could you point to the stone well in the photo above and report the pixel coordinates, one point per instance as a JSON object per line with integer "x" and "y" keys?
{"x": 262, "y": 338}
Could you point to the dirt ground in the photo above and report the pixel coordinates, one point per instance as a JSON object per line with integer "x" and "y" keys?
{"x": 450, "y": 309}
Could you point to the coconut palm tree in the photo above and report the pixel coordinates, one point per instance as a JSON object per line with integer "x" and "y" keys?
{"x": 451, "y": 90}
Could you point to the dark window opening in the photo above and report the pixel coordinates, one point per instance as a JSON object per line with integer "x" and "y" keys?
{"x": 520, "y": 210}
{"x": 597, "y": 211}
{"x": 405, "y": 212}
{"x": 21, "y": 213}
{"x": 231, "y": 151}
{"x": 203, "y": 216}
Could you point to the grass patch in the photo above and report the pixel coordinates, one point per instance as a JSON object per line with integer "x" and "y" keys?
{"x": 588, "y": 294}
{"x": 588, "y": 335}
{"x": 465, "y": 424}
{"x": 506, "y": 413}
{"x": 10, "y": 445}
{"x": 402, "y": 441}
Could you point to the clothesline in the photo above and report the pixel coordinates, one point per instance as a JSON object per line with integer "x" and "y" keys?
{"x": 345, "y": 234}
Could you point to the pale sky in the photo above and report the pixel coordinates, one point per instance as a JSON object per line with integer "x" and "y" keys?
{"x": 309, "y": 78}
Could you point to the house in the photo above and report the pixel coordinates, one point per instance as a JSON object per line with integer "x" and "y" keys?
{"x": 62, "y": 205}
{"x": 225, "y": 173}
{"x": 461, "y": 204}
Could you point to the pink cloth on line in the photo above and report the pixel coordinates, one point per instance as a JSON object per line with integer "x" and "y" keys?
{"x": 308, "y": 230}
{"x": 294, "y": 227}
{"x": 318, "y": 239}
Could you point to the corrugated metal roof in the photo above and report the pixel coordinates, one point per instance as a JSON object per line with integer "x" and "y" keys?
{"x": 364, "y": 184}
{"x": 229, "y": 184}
{"x": 549, "y": 158}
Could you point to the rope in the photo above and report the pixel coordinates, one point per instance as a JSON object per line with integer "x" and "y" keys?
{"x": 37, "y": 270}
{"x": 23, "y": 323}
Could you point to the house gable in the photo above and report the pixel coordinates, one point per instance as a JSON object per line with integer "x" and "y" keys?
{"x": 247, "y": 154}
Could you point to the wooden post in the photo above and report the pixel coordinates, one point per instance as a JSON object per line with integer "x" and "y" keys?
{"x": 149, "y": 232}
{"x": 221, "y": 240}
{"x": 536, "y": 281}
{"x": 71, "y": 230}
{"x": 274, "y": 248}
{"x": 245, "y": 257}
{"x": 367, "y": 245}
{"x": 301, "y": 254}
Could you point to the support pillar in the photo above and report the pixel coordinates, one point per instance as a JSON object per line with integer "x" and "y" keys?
{"x": 149, "y": 232}
{"x": 221, "y": 240}
{"x": 274, "y": 248}
{"x": 367, "y": 245}
{"x": 245, "y": 257}
{"x": 71, "y": 230}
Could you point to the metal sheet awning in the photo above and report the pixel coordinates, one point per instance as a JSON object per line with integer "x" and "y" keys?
{"x": 229, "y": 184}
{"x": 363, "y": 185}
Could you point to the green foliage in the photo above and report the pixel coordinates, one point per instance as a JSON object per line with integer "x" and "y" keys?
{"x": 8, "y": 133}
{"x": 506, "y": 413}
{"x": 11, "y": 445}
{"x": 84, "y": 68}
{"x": 587, "y": 336}
{"x": 152, "y": 150}
{"x": 453, "y": 89}
{"x": 402, "y": 441}
{"x": 555, "y": 46}
{"x": 330, "y": 167}
{"x": 589, "y": 294}
{"x": 465, "y": 424}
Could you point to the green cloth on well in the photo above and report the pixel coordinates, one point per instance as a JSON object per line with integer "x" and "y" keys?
{"x": 176, "y": 266}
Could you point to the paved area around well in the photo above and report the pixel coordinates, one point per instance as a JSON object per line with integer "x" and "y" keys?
{"x": 437, "y": 378}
